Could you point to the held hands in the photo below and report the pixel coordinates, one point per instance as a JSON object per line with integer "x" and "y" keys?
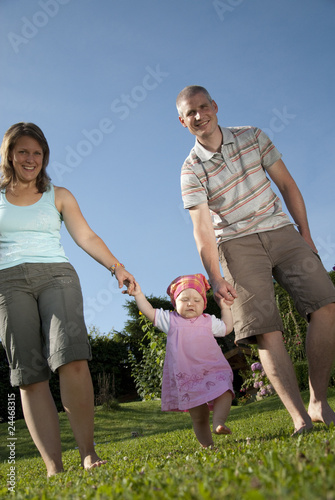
{"x": 225, "y": 303}
{"x": 222, "y": 290}
{"x": 134, "y": 291}
{"x": 124, "y": 278}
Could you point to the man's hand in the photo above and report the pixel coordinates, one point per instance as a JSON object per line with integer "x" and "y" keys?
{"x": 223, "y": 290}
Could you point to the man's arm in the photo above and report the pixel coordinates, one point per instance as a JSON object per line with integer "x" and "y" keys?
{"x": 206, "y": 244}
{"x": 293, "y": 199}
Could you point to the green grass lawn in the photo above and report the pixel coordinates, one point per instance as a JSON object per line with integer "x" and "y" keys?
{"x": 164, "y": 460}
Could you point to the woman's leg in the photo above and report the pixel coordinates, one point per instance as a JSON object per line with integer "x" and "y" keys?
{"x": 41, "y": 417}
{"x": 200, "y": 420}
{"x": 221, "y": 410}
{"x": 78, "y": 400}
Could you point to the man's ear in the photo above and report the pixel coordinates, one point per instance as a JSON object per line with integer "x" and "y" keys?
{"x": 215, "y": 106}
{"x": 182, "y": 121}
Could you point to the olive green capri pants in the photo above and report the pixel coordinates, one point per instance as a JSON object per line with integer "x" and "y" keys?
{"x": 41, "y": 320}
{"x": 251, "y": 263}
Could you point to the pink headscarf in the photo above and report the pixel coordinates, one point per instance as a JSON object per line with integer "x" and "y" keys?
{"x": 196, "y": 281}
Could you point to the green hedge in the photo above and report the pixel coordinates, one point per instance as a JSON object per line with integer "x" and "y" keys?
{"x": 109, "y": 357}
{"x": 301, "y": 370}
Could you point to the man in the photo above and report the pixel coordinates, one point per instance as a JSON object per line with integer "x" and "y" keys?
{"x": 238, "y": 220}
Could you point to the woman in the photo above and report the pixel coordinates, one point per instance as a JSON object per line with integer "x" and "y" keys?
{"x": 41, "y": 308}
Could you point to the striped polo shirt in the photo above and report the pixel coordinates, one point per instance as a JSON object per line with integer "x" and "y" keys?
{"x": 234, "y": 183}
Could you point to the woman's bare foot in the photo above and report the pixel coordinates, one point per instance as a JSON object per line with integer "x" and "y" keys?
{"x": 53, "y": 472}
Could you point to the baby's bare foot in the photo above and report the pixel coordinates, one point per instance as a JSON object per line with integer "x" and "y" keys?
{"x": 222, "y": 429}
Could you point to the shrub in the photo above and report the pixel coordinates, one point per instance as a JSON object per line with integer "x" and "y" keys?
{"x": 148, "y": 372}
{"x": 105, "y": 393}
{"x": 110, "y": 357}
{"x": 301, "y": 370}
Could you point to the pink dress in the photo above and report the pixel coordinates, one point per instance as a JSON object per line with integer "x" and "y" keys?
{"x": 195, "y": 370}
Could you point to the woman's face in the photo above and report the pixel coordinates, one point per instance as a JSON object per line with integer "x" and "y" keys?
{"x": 189, "y": 303}
{"x": 27, "y": 159}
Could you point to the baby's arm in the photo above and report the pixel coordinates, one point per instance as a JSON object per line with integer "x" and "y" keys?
{"x": 226, "y": 315}
{"x": 142, "y": 303}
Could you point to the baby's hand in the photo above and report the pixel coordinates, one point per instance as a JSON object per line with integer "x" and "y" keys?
{"x": 133, "y": 290}
{"x": 226, "y": 303}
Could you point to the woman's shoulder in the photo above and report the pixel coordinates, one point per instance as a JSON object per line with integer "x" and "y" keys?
{"x": 60, "y": 190}
{"x": 62, "y": 193}
{"x": 63, "y": 198}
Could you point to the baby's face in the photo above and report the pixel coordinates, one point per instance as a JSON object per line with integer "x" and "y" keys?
{"x": 189, "y": 303}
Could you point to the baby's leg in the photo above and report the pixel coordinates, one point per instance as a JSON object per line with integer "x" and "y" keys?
{"x": 221, "y": 411}
{"x": 200, "y": 420}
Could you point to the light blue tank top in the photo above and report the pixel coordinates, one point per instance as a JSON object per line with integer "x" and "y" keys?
{"x": 30, "y": 234}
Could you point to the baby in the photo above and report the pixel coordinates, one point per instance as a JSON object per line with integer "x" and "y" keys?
{"x": 196, "y": 375}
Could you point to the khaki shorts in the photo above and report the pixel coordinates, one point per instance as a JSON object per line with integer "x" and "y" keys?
{"x": 41, "y": 320}
{"x": 251, "y": 262}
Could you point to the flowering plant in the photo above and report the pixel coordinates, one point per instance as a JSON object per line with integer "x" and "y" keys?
{"x": 261, "y": 382}
{"x": 255, "y": 377}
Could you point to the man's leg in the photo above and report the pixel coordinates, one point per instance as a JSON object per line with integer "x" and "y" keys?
{"x": 320, "y": 349}
{"x": 279, "y": 369}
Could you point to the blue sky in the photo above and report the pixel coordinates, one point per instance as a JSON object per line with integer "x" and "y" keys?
{"x": 100, "y": 77}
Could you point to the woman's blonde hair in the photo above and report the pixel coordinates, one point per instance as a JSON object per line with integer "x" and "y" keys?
{"x": 9, "y": 140}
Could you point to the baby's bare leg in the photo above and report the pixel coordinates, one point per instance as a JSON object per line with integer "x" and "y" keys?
{"x": 221, "y": 411}
{"x": 200, "y": 420}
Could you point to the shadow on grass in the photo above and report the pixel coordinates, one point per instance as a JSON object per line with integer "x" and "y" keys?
{"x": 269, "y": 404}
{"x": 137, "y": 419}
{"x": 145, "y": 419}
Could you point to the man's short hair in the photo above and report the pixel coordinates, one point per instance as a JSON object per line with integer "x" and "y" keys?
{"x": 188, "y": 92}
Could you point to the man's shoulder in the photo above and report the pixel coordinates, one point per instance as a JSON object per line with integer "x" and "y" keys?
{"x": 246, "y": 131}
{"x": 191, "y": 160}
{"x": 238, "y": 131}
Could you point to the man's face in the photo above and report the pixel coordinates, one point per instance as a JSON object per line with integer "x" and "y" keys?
{"x": 199, "y": 115}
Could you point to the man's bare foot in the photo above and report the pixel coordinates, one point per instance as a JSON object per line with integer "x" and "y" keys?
{"x": 321, "y": 412}
{"x": 222, "y": 429}
{"x": 303, "y": 430}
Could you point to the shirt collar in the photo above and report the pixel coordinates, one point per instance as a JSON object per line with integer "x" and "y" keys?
{"x": 206, "y": 155}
